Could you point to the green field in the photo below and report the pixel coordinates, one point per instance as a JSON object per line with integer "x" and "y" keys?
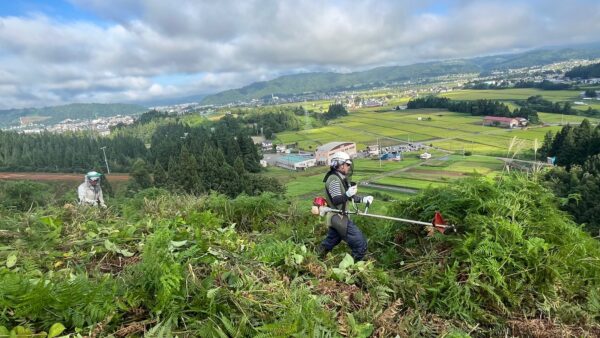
{"x": 448, "y": 132}
{"x": 513, "y": 94}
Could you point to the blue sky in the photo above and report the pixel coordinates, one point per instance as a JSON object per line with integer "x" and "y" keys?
{"x": 62, "y": 51}
{"x": 58, "y": 9}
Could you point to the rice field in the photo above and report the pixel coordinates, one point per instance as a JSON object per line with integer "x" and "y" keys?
{"x": 450, "y": 132}
{"x": 513, "y": 94}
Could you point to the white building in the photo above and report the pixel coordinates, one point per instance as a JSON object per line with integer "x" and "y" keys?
{"x": 324, "y": 152}
{"x": 295, "y": 162}
{"x": 425, "y": 156}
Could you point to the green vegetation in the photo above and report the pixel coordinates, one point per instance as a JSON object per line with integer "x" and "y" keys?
{"x": 577, "y": 180}
{"x": 66, "y": 152}
{"x": 290, "y": 85}
{"x": 23, "y": 195}
{"x": 52, "y": 115}
{"x": 584, "y": 72}
{"x": 208, "y": 266}
{"x": 217, "y": 156}
{"x": 543, "y": 85}
{"x": 511, "y": 94}
{"x": 479, "y": 107}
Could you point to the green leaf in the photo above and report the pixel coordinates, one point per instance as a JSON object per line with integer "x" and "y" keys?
{"x": 125, "y": 252}
{"x": 346, "y": 262}
{"x": 20, "y": 331}
{"x": 11, "y": 261}
{"x": 4, "y": 331}
{"x": 339, "y": 274}
{"x": 298, "y": 258}
{"x": 55, "y": 330}
{"x": 178, "y": 244}
{"x": 210, "y": 294}
{"x": 110, "y": 246}
{"x": 364, "y": 330}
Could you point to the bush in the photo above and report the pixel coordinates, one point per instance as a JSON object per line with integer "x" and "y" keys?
{"x": 23, "y": 195}
{"x": 515, "y": 253}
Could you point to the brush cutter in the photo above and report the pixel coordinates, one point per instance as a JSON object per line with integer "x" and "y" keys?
{"x": 320, "y": 208}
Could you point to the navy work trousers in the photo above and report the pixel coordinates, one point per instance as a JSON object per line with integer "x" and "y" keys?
{"x": 354, "y": 237}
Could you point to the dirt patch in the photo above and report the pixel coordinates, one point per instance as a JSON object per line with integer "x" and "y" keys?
{"x": 343, "y": 295}
{"x": 113, "y": 264}
{"x": 435, "y": 172}
{"x": 130, "y": 329}
{"x": 544, "y": 328}
{"x": 55, "y": 176}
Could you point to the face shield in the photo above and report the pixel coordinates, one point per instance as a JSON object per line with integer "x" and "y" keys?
{"x": 348, "y": 168}
{"x": 94, "y": 180}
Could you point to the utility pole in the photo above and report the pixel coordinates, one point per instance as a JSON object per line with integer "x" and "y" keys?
{"x": 379, "y": 152}
{"x": 105, "y": 161}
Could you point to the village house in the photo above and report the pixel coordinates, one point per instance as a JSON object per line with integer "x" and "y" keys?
{"x": 508, "y": 122}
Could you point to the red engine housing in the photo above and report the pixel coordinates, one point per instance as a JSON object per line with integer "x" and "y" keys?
{"x": 319, "y": 202}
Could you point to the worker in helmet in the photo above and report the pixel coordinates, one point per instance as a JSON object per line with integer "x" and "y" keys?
{"x": 339, "y": 191}
{"x": 90, "y": 192}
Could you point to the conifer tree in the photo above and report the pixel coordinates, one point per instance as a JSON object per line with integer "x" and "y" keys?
{"x": 140, "y": 174}
{"x": 160, "y": 175}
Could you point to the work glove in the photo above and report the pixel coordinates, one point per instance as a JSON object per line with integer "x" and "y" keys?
{"x": 352, "y": 191}
{"x": 367, "y": 199}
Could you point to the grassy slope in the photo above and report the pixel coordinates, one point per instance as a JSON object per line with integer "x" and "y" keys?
{"x": 179, "y": 265}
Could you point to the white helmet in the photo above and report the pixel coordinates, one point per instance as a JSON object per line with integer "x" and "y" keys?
{"x": 339, "y": 158}
{"x": 93, "y": 177}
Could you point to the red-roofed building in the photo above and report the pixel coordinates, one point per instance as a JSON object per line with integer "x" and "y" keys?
{"x": 509, "y": 122}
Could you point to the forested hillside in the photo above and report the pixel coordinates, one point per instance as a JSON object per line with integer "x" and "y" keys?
{"x": 66, "y": 152}
{"x": 289, "y": 85}
{"x": 584, "y": 72}
{"x": 576, "y": 150}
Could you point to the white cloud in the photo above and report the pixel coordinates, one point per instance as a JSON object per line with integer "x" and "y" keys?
{"x": 232, "y": 43}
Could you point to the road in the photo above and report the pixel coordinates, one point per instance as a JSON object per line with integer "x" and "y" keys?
{"x": 35, "y": 176}
{"x": 388, "y": 187}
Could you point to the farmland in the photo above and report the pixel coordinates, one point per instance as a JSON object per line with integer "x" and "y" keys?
{"x": 447, "y": 132}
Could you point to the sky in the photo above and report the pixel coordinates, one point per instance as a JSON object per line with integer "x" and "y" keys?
{"x": 63, "y": 51}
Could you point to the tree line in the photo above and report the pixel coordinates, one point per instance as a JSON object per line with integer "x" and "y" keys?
{"x": 577, "y": 178}
{"x": 214, "y": 157}
{"x": 476, "y": 108}
{"x": 584, "y": 72}
{"x": 538, "y": 103}
{"x": 572, "y": 145}
{"x": 66, "y": 152}
{"x": 543, "y": 85}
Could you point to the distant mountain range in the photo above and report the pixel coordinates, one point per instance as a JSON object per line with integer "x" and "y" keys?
{"x": 330, "y": 82}
{"x": 52, "y": 115}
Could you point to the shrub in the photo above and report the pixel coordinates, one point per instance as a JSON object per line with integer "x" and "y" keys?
{"x": 514, "y": 253}
{"x": 23, "y": 195}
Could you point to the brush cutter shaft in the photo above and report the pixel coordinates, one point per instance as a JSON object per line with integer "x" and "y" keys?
{"x": 395, "y": 219}
{"x": 327, "y": 209}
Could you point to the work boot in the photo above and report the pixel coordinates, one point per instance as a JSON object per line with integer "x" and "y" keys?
{"x": 322, "y": 251}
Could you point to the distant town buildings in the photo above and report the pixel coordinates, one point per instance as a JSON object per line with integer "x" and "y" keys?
{"x": 100, "y": 125}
